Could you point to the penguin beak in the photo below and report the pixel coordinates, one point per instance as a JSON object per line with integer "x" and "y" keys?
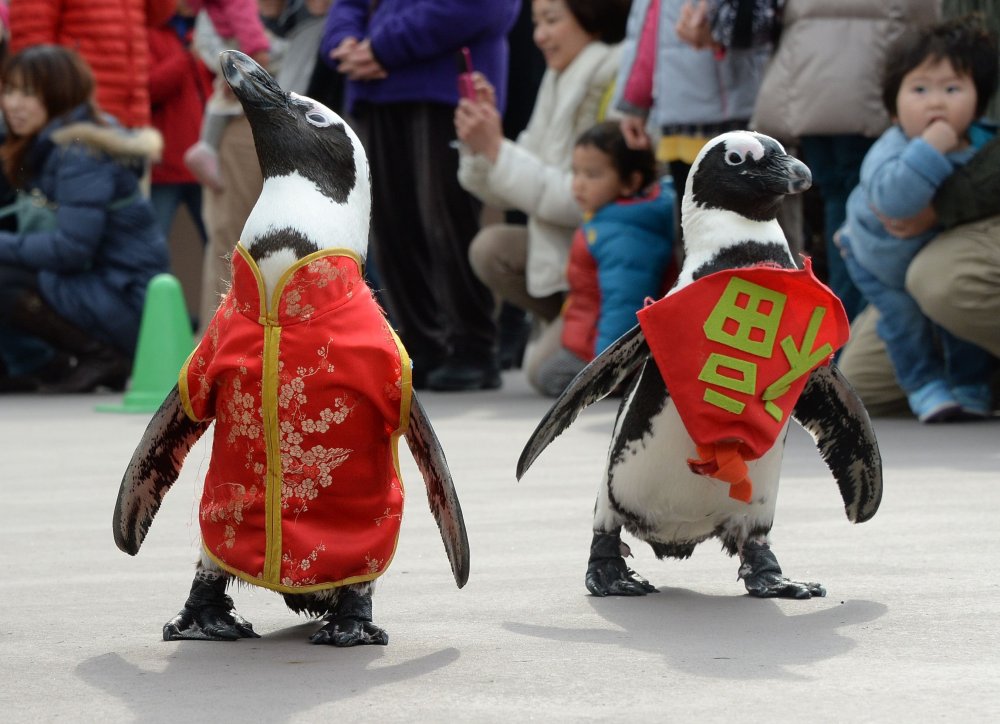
{"x": 786, "y": 175}
{"x": 254, "y": 87}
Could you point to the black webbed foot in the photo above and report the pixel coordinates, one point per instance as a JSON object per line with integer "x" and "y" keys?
{"x": 345, "y": 631}
{"x": 607, "y": 572}
{"x": 208, "y": 615}
{"x": 350, "y": 623}
{"x": 762, "y": 577}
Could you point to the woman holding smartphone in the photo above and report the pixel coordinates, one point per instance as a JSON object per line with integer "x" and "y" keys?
{"x": 526, "y": 265}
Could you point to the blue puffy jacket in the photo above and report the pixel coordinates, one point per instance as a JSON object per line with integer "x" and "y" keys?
{"x": 620, "y": 256}
{"x": 94, "y": 267}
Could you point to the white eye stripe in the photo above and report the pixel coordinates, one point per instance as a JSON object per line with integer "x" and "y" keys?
{"x": 318, "y": 118}
{"x": 740, "y": 146}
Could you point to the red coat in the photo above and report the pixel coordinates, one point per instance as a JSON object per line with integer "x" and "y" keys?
{"x": 179, "y": 85}
{"x": 111, "y": 37}
{"x": 583, "y": 304}
{"x": 303, "y": 489}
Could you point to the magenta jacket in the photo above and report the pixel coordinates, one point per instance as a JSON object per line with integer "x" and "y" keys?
{"x": 238, "y": 19}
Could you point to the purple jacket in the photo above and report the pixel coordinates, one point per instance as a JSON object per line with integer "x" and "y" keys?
{"x": 417, "y": 42}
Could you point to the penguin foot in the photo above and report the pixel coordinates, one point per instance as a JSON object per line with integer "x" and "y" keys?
{"x": 212, "y": 623}
{"x": 607, "y": 572}
{"x": 350, "y": 622}
{"x": 208, "y": 615}
{"x": 345, "y": 631}
{"x": 762, "y": 576}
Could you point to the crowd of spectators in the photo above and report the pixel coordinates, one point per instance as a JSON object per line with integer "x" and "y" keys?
{"x": 599, "y": 135}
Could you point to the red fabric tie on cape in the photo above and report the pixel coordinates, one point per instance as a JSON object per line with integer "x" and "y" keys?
{"x": 735, "y": 349}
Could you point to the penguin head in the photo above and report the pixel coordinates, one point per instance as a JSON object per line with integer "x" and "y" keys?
{"x": 731, "y": 202}
{"x": 317, "y": 184}
{"x": 746, "y": 173}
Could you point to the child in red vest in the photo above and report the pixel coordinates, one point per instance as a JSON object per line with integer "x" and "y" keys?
{"x": 620, "y": 255}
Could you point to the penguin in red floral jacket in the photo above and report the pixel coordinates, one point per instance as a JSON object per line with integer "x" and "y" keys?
{"x": 309, "y": 389}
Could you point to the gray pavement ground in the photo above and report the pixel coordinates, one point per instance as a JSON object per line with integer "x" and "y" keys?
{"x": 908, "y": 631}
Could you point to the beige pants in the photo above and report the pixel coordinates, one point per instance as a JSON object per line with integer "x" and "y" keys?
{"x": 226, "y": 212}
{"x": 499, "y": 257}
{"x": 956, "y": 281}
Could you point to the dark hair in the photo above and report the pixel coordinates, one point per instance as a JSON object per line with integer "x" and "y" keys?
{"x": 607, "y": 137}
{"x": 604, "y": 18}
{"x": 966, "y": 42}
{"x": 61, "y": 79}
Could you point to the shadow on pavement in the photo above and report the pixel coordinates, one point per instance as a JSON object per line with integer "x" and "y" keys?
{"x": 266, "y": 679}
{"x": 726, "y": 637}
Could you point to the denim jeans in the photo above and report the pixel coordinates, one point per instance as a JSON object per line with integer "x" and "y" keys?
{"x": 835, "y": 162}
{"x": 909, "y": 337}
{"x": 21, "y": 353}
{"x": 166, "y": 198}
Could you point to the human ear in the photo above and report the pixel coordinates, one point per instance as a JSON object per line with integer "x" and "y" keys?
{"x": 633, "y": 184}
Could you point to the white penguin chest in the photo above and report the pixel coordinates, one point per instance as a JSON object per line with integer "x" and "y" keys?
{"x": 652, "y": 479}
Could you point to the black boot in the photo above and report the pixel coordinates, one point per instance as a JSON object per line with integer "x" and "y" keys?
{"x": 97, "y": 363}
{"x": 55, "y": 370}
{"x": 467, "y": 369}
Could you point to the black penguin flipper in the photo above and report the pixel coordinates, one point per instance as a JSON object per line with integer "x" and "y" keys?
{"x": 594, "y": 382}
{"x": 154, "y": 467}
{"x": 441, "y": 495}
{"x": 830, "y": 410}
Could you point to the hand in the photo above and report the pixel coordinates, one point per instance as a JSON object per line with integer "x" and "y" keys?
{"x": 484, "y": 89}
{"x": 356, "y": 60}
{"x": 478, "y": 127}
{"x": 912, "y": 226}
{"x": 269, "y": 8}
{"x": 262, "y": 58}
{"x": 346, "y": 46}
{"x": 693, "y": 27}
{"x": 941, "y": 136}
{"x": 318, "y": 7}
{"x": 634, "y": 130}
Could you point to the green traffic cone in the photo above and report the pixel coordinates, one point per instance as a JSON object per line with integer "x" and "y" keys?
{"x": 165, "y": 341}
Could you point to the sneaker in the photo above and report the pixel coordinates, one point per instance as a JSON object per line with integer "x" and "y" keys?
{"x": 975, "y": 401}
{"x": 934, "y": 402}
{"x": 203, "y": 162}
{"x": 455, "y": 376}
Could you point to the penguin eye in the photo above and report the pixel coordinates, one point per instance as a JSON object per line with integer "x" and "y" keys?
{"x": 317, "y": 119}
{"x": 734, "y": 158}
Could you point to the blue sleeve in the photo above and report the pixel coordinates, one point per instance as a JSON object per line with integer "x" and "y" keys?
{"x": 346, "y": 19}
{"x": 84, "y": 186}
{"x": 900, "y": 179}
{"x": 427, "y": 28}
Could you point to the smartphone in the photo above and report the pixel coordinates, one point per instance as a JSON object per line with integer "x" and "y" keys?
{"x": 466, "y": 87}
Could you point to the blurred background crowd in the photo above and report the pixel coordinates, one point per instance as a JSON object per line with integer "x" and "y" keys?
{"x": 528, "y": 158}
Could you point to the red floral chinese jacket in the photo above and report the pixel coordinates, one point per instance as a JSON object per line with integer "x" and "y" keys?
{"x": 310, "y": 395}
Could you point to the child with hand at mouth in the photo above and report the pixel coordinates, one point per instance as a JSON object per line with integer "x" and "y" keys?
{"x": 936, "y": 83}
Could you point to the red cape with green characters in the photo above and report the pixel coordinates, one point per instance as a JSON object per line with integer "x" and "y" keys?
{"x": 735, "y": 349}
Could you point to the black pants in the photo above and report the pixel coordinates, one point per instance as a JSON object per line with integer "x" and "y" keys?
{"x": 14, "y": 281}
{"x": 423, "y": 222}
{"x": 20, "y": 352}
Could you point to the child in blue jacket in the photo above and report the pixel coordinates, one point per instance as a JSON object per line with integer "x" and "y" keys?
{"x": 620, "y": 255}
{"x": 937, "y": 83}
